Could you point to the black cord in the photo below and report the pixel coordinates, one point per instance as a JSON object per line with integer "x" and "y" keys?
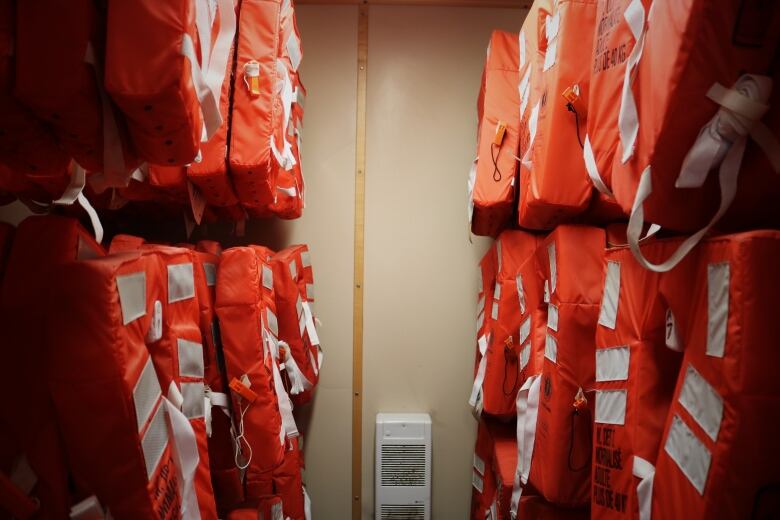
{"x": 574, "y": 414}
{"x": 509, "y": 357}
{"x": 496, "y": 171}
{"x": 571, "y": 108}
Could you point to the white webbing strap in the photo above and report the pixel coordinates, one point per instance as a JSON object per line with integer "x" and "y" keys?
{"x": 289, "y": 428}
{"x": 74, "y": 192}
{"x": 285, "y": 158}
{"x": 306, "y": 505}
{"x": 218, "y": 399}
{"x": 218, "y": 60}
{"x": 738, "y": 118}
{"x": 593, "y": 169}
{"x": 552, "y": 25}
{"x": 185, "y": 449}
{"x": 521, "y": 48}
{"x": 628, "y": 117}
{"x": 533, "y": 121}
{"x": 298, "y": 381}
{"x": 472, "y": 181}
{"x": 116, "y": 174}
{"x": 89, "y": 509}
{"x": 475, "y": 400}
{"x": 209, "y": 102}
{"x": 311, "y": 328}
{"x": 645, "y": 472}
{"x": 527, "y": 405}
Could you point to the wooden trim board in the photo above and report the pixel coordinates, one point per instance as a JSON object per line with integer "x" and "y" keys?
{"x": 357, "y": 324}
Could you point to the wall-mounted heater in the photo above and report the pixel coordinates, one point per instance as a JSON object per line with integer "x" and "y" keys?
{"x": 403, "y": 466}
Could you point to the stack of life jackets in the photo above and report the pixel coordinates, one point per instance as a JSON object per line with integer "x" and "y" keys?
{"x": 642, "y": 319}
{"x": 718, "y": 447}
{"x": 154, "y": 345}
{"x": 137, "y": 121}
{"x": 502, "y": 333}
{"x": 530, "y": 169}
{"x": 714, "y": 62}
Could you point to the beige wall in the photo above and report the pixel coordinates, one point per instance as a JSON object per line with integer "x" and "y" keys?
{"x": 424, "y": 70}
{"x": 420, "y": 270}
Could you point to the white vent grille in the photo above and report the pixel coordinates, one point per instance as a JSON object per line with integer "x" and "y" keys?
{"x": 403, "y": 465}
{"x": 403, "y": 512}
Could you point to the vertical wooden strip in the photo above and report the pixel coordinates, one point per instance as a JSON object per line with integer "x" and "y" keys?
{"x": 357, "y": 327}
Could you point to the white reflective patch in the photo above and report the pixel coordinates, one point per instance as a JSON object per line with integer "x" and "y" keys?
{"x": 294, "y": 50}
{"x": 497, "y": 291}
{"x": 154, "y": 334}
{"x": 273, "y": 323}
{"x": 717, "y": 308}
{"x": 552, "y": 317}
{"x": 525, "y": 356}
{"x": 310, "y": 291}
{"x": 480, "y": 321}
{"x": 146, "y": 393}
{"x": 498, "y": 253}
{"x": 689, "y": 453}
{"x": 551, "y": 349}
{"x": 211, "y": 274}
{"x": 154, "y": 441}
{"x": 299, "y": 306}
{"x": 611, "y": 406}
{"x": 268, "y": 277}
{"x": 612, "y": 364}
{"x": 479, "y": 464}
{"x": 476, "y": 481}
{"x": 553, "y": 267}
{"x": 546, "y": 292}
{"x": 702, "y": 401}
{"x": 520, "y": 293}
{"x": 481, "y": 305}
{"x": 181, "y": 284}
{"x": 609, "y": 301}
{"x": 525, "y": 91}
{"x": 293, "y": 270}
{"x": 525, "y": 330}
{"x": 305, "y": 259}
{"x": 494, "y": 311}
{"x": 672, "y": 337}
{"x": 194, "y": 402}
{"x": 190, "y": 358}
{"x": 132, "y": 296}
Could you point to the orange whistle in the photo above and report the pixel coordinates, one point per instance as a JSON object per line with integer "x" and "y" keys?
{"x": 244, "y": 391}
{"x": 252, "y": 77}
{"x": 500, "y": 132}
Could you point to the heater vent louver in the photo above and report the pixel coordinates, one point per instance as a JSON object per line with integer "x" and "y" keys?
{"x": 403, "y": 465}
{"x": 403, "y": 512}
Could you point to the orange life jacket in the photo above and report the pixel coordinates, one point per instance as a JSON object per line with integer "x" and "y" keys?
{"x": 572, "y": 259}
{"x": 708, "y": 61}
{"x": 498, "y": 371}
{"x": 557, "y": 187}
{"x": 249, "y": 329}
{"x": 168, "y": 84}
{"x": 642, "y": 313}
{"x": 718, "y": 452}
{"x": 41, "y": 246}
{"x": 492, "y": 183}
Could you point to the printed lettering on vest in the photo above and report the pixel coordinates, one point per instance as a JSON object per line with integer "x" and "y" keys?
{"x": 608, "y": 457}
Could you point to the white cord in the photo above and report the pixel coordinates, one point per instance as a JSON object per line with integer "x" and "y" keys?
{"x": 241, "y": 437}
